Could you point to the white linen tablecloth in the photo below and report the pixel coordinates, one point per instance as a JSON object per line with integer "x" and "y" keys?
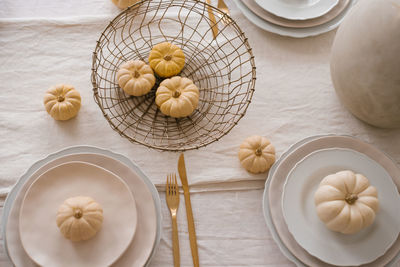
{"x": 45, "y": 42}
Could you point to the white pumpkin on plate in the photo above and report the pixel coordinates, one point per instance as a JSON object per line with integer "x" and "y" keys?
{"x": 79, "y": 218}
{"x": 346, "y": 202}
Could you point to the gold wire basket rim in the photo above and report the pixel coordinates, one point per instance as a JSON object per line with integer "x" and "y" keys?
{"x": 185, "y": 148}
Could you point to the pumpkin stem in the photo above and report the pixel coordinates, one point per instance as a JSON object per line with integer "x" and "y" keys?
{"x": 136, "y": 74}
{"x": 258, "y": 152}
{"x": 167, "y": 58}
{"x": 60, "y": 98}
{"x": 351, "y": 198}
{"x": 78, "y": 213}
{"x": 176, "y": 94}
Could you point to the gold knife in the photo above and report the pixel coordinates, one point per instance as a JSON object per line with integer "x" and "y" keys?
{"x": 189, "y": 214}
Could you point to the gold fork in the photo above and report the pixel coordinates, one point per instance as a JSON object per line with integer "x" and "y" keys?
{"x": 172, "y": 197}
{"x": 222, "y": 6}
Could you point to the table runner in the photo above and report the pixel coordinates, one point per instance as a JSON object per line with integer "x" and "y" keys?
{"x": 48, "y": 42}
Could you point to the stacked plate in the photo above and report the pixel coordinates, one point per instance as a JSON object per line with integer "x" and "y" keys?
{"x": 296, "y": 18}
{"x": 291, "y": 216}
{"x": 131, "y": 227}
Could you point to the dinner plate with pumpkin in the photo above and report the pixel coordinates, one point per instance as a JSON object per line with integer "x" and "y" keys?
{"x": 67, "y": 202}
{"x": 341, "y": 207}
{"x": 321, "y": 182}
{"x": 89, "y": 217}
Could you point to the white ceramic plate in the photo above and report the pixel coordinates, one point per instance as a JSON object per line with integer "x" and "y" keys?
{"x": 337, "y": 10}
{"x": 297, "y": 9}
{"x": 148, "y": 234}
{"x": 293, "y": 32}
{"x": 266, "y": 204}
{"x": 274, "y": 186}
{"x": 305, "y": 226}
{"x": 37, "y": 216}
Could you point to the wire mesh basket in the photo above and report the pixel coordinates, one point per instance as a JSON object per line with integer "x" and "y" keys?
{"x": 222, "y": 68}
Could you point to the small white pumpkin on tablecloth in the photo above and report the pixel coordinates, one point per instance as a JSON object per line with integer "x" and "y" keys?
{"x": 177, "y": 97}
{"x": 346, "y": 202}
{"x": 257, "y": 154}
{"x": 62, "y": 102}
{"x": 136, "y": 77}
{"x": 79, "y": 218}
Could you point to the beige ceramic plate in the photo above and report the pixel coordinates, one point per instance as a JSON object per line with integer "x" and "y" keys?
{"x": 47, "y": 193}
{"x": 148, "y": 226}
{"x": 253, "y": 6}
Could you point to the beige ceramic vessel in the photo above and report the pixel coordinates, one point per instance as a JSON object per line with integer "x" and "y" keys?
{"x": 365, "y": 62}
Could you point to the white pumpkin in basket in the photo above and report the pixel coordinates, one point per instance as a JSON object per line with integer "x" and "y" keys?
{"x": 346, "y": 202}
{"x": 177, "y": 97}
{"x": 79, "y": 218}
{"x": 166, "y": 59}
{"x": 257, "y": 154}
{"x": 136, "y": 77}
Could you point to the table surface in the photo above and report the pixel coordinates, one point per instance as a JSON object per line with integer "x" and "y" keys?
{"x": 45, "y": 42}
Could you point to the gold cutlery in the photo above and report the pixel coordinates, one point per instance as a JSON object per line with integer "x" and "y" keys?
{"x": 214, "y": 26}
{"x": 222, "y": 6}
{"x": 172, "y": 197}
{"x": 189, "y": 214}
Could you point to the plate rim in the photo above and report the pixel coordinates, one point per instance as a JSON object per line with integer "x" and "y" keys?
{"x": 265, "y": 199}
{"x": 299, "y": 17}
{"x": 296, "y": 24}
{"x": 77, "y": 162}
{"x": 293, "y": 32}
{"x": 265, "y": 203}
{"x": 82, "y": 149}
